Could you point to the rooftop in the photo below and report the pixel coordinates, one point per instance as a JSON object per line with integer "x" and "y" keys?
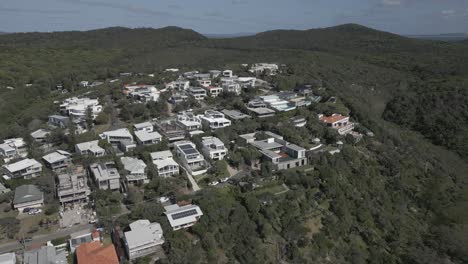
{"x": 56, "y": 156}
{"x": 332, "y": 119}
{"x": 22, "y": 164}
{"x": 143, "y": 232}
{"x": 235, "y": 114}
{"x": 45, "y": 255}
{"x": 95, "y": 252}
{"x": 27, "y": 193}
{"x": 144, "y": 135}
{"x": 133, "y": 165}
{"x": 142, "y": 125}
{"x": 181, "y": 215}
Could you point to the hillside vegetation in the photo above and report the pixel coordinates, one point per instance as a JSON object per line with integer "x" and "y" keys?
{"x": 400, "y": 197}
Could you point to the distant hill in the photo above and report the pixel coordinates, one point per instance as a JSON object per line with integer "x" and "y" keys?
{"x": 233, "y": 35}
{"x": 442, "y": 37}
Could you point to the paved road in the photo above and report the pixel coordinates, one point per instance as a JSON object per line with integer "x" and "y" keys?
{"x": 14, "y": 246}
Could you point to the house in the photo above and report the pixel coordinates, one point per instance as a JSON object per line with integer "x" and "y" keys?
{"x": 230, "y": 85}
{"x": 298, "y": 121}
{"x": 72, "y": 186}
{"x": 247, "y": 82}
{"x": 304, "y": 90}
{"x": 143, "y": 238}
{"x": 262, "y": 112}
{"x": 227, "y": 73}
{"x": 45, "y": 255}
{"x": 182, "y": 216}
{"x": 188, "y": 121}
{"x": 106, "y": 175}
{"x": 171, "y": 129}
{"x": 142, "y": 93}
{"x": 78, "y": 107}
{"x": 120, "y": 138}
{"x": 147, "y": 138}
{"x": 214, "y": 119}
{"x": 204, "y": 82}
{"x": 59, "y": 121}
{"x": 178, "y": 98}
{"x": 171, "y": 70}
{"x": 214, "y": 91}
{"x": 277, "y": 103}
{"x": 197, "y": 92}
{"x": 282, "y": 154}
{"x": 235, "y": 114}
{"x": 13, "y": 148}
{"x": 135, "y": 170}
{"x": 8, "y": 258}
{"x": 90, "y": 148}
{"x": 27, "y": 196}
{"x": 267, "y": 68}
{"x": 40, "y": 135}
{"x": 145, "y": 126}
{"x": 26, "y": 168}
{"x": 95, "y": 252}
{"x": 84, "y": 83}
{"x": 339, "y": 122}
{"x": 213, "y": 148}
{"x": 215, "y": 73}
{"x": 191, "y": 159}
{"x": 81, "y": 237}
{"x": 179, "y": 84}
{"x": 58, "y": 160}
{"x": 165, "y": 164}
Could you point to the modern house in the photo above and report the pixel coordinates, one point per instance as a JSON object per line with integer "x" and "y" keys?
{"x": 213, "y": 148}
{"x": 27, "y": 196}
{"x": 282, "y": 154}
{"x": 72, "y": 186}
{"x": 142, "y": 93}
{"x": 145, "y": 126}
{"x": 78, "y": 107}
{"x": 235, "y": 114}
{"x": 135, "y": 170}
{"x": 298, "y": 121}
{"x": 91, "y": 148}
{"x": 204, "y": 82}
{"x": 230, "y": 85}
{"x": 13, "y": 148}
{"x": 143, "y": 238}
{"x": 188, "y": 121}
{"x": 214, "y": 91}
{"x": 179, "y": 84}
{"x": 81, "y": 237}
{"x": 106, "y": 175}
{"x": 214, "y": 119}
{"x": 197, "y": 92}
{"x": 262, "y": 112}
{"x": 182, "y": 216}
{"x": 147, "y": 138}
{"x": 58, "y": 160}
{"x": 191, "y": 159}
{"x": 339, "y": 122}
{"x": 227, "y": 73}
{"x": 171, "y": 129}
{"x": 96, "y": 252}
{"x": 40, "y": 135}
{"x": 45, "y": 255}
{"x": 27, "y": 169}
{"x": 58, "y": 121}
{"x": 267, "y": 68}
{"x": 120, "y": 138}
{"x": 165, "y": 163}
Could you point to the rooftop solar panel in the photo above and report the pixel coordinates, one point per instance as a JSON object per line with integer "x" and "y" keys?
{"x": 184, "y": 214}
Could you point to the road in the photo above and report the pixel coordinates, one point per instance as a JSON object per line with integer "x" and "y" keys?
{"x": 40, "y": 239}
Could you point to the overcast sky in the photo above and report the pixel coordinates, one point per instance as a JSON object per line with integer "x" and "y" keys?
{"x": 235, "y": 16}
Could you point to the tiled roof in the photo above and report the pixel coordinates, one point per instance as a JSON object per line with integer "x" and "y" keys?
{"x": 95, "y": 253}
{"x": 332, "y": 119}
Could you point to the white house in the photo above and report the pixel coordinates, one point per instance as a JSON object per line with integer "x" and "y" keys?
{"x": 105, "y": 175}
{"x": 13, "y": 148}
{"x": 191, "y": 159}
{"x": 142, "y": 93}
{"x": 214, "y": 119}
{"x": 227, "y": 73}
{"x": 180, "y": 85}
{"x": 214, "y": 91}
{"x": 204, "y": 82}
{"x": 77, "y": 107}
{"x": 182, "y": 216}
{"x": 27, "y": 196}
{"x": 120, "y": 138}
{"x": 214, "y": 148}
{"x": 58, "y": 160}
{"x": 143, "y": 238}
{"x": 40, "y": 135}
{"x": 197, "y": 92}
{"x": 230, "y": 85}
{"x": 339, "y": 122}
{"x": 145, "y": 126}
{"x": 188, "y": 121}
{"x": 135, "y": 170}
{"x": 27, "y": 169}
{"x": 90, "y": 148}
{"x": 165, "y": 163}
{"x": 268, "y": 68}
{"x": 58, "y": 121}
{"x": 147, "y": 138}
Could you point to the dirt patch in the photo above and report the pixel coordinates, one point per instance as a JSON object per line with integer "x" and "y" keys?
{"x": 314, "y": 224}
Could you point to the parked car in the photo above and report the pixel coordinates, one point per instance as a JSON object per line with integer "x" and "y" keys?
{"x": 26, "y": 210}
{"x": 213, "y": 183}
{"x": 34, "y": 211}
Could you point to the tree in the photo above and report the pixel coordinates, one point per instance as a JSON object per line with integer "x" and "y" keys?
{"x": 89, "y": 118}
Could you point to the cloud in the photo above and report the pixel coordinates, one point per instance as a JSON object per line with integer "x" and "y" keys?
{"x": 37, "y": 11}
{"x": 391, "y": 2}
{"x": 448, "y": 12}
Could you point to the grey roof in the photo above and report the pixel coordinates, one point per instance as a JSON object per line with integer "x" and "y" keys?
{"x": 27, "y": 193}
{"x": 143, "y": 232}
{"x": 264, "y": 145}
{"x": 235, "y": 114}
{"x": 56, "y": 156}
{"x": 8, "y": 258}
{"x": 295, "y": 147}
{"x": 40, "y": 133}
{"x": 142, "y": 125}
{"x": 45, "y": 255}
{"x": 60, "y": 117}
{"x": 147, "y": 136}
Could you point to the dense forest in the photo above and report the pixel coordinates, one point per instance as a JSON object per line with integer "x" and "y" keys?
{"x": 400, "y": 197}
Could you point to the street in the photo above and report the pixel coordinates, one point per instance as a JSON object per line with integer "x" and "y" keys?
{"x": 14, "y": 246}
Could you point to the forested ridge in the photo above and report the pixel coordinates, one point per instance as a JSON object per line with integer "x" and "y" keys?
{"x": 399, "y": 197}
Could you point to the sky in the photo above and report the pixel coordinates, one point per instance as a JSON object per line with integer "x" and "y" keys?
{"x": 235, "y": 16}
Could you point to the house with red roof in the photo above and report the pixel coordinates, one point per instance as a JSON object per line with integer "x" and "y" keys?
{"x": 96, "y": 253}
{"x": 339, "y": 122}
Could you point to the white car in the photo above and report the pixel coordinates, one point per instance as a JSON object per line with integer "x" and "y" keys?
{"x": 225, "y": 179}
{"x": 214, "y": 183}
{"x": 35, "y": 211}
